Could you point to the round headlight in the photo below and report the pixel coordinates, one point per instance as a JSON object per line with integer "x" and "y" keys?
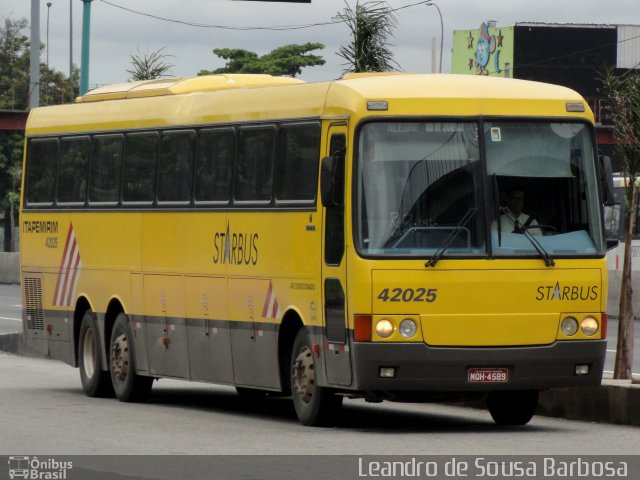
{"x": 569, "y": 326}
{"x": 384, "y": 328}
{"x": 589, "y": 326}
{"x": 407, "y": 328}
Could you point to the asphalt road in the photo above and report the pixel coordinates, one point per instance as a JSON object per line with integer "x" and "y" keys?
{"x": 45, "y": 411}
{"x": 10, "y": 309}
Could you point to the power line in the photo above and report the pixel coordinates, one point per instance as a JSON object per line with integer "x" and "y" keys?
{"x": 245, "y": 28}
{"x": 333, "y": 22}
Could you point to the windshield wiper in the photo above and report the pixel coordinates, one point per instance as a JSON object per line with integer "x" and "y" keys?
{"x": 451, "y": 237}
{"x": 548, "y": 260}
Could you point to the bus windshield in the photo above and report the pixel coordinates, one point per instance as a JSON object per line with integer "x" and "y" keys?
{"x": 422, "y": 187}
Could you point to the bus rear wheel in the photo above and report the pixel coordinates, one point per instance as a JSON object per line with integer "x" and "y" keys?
{"x": 95, "y": 381}
{"x": 129, "y": 386}
{"x": 512, "y": 407}
{"x": 314, "y": 405}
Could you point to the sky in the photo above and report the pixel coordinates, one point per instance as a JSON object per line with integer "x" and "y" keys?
{"x": 116, "y": 33}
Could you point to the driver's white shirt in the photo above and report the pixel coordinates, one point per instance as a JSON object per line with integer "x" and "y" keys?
{"x": 507, "y": 225}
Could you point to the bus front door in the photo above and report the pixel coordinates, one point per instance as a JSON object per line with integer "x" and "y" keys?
{"x": 336, "y": 338}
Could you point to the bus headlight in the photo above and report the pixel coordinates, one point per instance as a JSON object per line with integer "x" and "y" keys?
{"x": 384, "y": 328}
{"x": 407, "y": 328}
{"x": 589, "y": 326}
{"x": 569, "y": 326}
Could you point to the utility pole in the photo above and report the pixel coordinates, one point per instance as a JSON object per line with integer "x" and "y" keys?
{"x": 86, "y": 33}
{"x": 34, "y": 66}
{"x": 70, "y": 39}
{"x": 48, "y": 9}
{"x": 432, "y": 4}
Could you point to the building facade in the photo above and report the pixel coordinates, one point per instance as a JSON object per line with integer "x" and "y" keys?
{"x": 573, "y": 55}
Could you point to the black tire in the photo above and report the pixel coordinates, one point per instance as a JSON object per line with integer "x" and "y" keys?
{"x": 512, "y": 407}
{"x": 96, "y": 382}
{"x": 314, "y": 405}
{"x": 128, "y": 386}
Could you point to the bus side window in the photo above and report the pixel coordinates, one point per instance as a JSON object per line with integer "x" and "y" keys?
{"x": 297, "y": 162}
{"x": 175, "y": 166}
{"x": 214, "y": 164}
{"x": 254, "y": 164}
{"x": 42, "y": 165}
{"x": 74, "y": 169}
{"x": 106, "y": 169}
{"x": 140, "y": 167}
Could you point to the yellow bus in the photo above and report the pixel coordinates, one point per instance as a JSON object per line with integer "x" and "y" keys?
{"x": 351, "y": 238}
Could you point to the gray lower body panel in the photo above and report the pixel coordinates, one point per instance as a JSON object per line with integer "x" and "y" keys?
{"x": 421, "y": 368}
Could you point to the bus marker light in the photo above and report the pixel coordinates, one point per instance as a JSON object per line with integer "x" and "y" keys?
{"x": 362, "y": 328}
{"x": 569, "y": 326}
{"x": 316, "y": 349}
{"x": 603, "y": 324}
{"x": 378, "y": 105}
{"x": 582, "y": 369}
{"x": 575, "y": 107}
{"x": 589, "y": 326}
{"x": 387, "y": 372}
{"x": 384, "y": 328}
{"x": 408, "y": 328}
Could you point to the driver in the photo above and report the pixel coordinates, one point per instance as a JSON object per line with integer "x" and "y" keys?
{"x": 514, "y": 220}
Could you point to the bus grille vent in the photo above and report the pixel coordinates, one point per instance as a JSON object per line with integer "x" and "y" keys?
{"x": 33, "y": 303}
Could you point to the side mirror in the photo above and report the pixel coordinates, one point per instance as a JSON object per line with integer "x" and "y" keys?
{"x": 331, "y": 180}
{"x": 607, "y": 182}
{"x": 612, "y": 224}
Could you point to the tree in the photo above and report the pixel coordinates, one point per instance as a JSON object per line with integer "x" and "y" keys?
{"x": 370, "y": 24}
{"x": 14, "y": 65}
{"x": 55, "y": 88}
{"x": 10, "y": 174}
{"x": 286, "y": 60}
{"x": 624, "y": 114}
{"x": 149, "y": 66}
{"x": 15, "y": 56}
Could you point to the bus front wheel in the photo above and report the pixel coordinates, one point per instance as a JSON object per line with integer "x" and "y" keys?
{"x": 129, "y": 386}
{"x": 314, "y": 405}
{"x": 515, "y": 407}
{"x": 95, "y": 381}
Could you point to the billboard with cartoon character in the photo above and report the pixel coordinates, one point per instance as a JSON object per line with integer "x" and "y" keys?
{"x": 484, "y": 51}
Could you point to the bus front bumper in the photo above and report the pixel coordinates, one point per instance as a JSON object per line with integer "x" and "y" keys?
{"x": 417, "y": 367}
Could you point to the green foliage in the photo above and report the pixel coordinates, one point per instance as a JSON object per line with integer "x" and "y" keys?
{"x": 149, "y": 66}
{"x": 56, "y": 88}
{"x": 624, "y": 114}
{"x": 15, "y": 56}
{"x": 14, "y": 65}
{"x": 370, "y": 24}
{"x": 286, "y": 60}
{"x": 10, "y": 175}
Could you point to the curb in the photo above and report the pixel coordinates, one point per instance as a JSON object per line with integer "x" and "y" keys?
{"x": 13, "y": 343}
{"x": 615, "y": 401}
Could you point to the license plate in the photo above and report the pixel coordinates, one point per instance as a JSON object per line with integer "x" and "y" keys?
{"x": 488, "y": 375}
